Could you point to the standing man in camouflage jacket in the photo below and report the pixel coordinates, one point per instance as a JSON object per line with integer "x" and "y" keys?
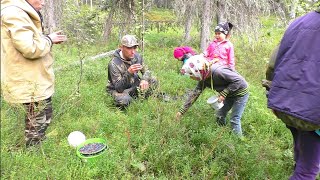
{"x": 27, "y": 76}
{"x": 124, "y": 83}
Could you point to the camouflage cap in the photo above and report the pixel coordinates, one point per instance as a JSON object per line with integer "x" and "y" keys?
{"x": 129, "y": 41}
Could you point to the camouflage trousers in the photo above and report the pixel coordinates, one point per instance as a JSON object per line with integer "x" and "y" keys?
{"x": 126, "y": 97}
{"x": 37, "y": 120}
{"x": 296, "y": 122}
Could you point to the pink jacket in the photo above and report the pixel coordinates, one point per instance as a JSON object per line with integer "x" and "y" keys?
{"x": 224, "y": 51}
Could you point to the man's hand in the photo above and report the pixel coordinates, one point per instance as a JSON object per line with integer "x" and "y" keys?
{"x": 144, "y": 85}
{"x": 134, "y": 68}
{"x": 57, "y": 37}
{"x": 266, "y": 84}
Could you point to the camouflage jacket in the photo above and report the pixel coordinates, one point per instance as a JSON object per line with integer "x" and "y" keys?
{"x": 119, "y": 78}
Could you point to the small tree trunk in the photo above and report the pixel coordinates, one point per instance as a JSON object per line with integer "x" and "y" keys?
{"x": 108, "y": 25}
{"x": 220, "y": 12}
{"x": 49, "y": 17}
{"x": 188, "y": 25}
{"x": 205, "y": 25}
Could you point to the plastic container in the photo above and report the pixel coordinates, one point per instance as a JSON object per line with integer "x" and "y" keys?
{"x": 213, "y": 101}
{"x": 89, "y": 157}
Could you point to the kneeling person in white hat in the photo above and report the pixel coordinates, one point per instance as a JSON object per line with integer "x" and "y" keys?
{"x": 232, "y": 88}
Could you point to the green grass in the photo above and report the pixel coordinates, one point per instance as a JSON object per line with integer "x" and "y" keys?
{"x": 146, "y": 142}
{"x": 160, "y": 15}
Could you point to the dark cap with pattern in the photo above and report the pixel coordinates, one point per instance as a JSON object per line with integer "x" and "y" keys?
{"x": 129, "y": 41}
{"x": 224, "y": 27}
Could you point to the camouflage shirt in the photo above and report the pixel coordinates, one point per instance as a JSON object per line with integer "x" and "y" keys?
{"x": 119, "y": 78}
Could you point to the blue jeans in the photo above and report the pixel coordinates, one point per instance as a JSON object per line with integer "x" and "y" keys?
{"x": 237, "y": 104}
